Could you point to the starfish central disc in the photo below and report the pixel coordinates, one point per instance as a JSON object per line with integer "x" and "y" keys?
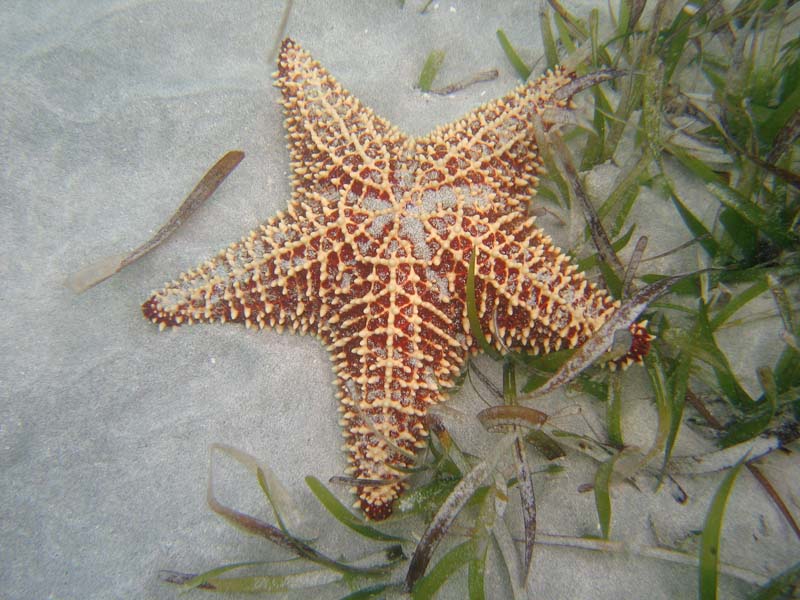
{"x": 371, "y": 256}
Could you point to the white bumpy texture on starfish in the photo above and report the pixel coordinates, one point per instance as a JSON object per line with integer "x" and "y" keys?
{"x": 372, "y": 255}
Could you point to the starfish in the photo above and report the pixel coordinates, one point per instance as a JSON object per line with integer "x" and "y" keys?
{"x": 372, "y": 257}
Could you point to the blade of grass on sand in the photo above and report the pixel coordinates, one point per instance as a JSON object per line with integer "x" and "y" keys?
{"x": 449, "y": 564}
{"x": 614, "y": 411}
{"x": 674, "y": 44}
{"x": 719, "y": 460}
{"x": 633, "y": 265}
{"x": 550, "y": 50}
{"x": 264, "y": 584}
{"x": 565, "y": 37}
{"x": 691, "y": 343}
{"x": 373, "y": 591}
{"x": 785, "y": 310}
{"x": 625, "y": 192}
{"x": 477, "y": 569}
{"x": 284, "y": 507}
{"x": 191, "y": 581}
{"x": 101, "y": 270}
{"x": 427, "y": 498}
{"x": 449, "y": 510}
{"x": 658, "y": 382}
{"x": 599, "y": 235}
{"x": 753, "y": 425}
{"x": 602, "y": 497}
{"x": 778, "y": 586}
{"x": 449, "y": 445}
{"x": 591, "y": 261}
{"x": 524, "y": 477}
{"x": 576, "y": 26}
{"x": 262, "y": 482}
{"x": 726, "y": 377}
{"x": 677, "y": 384}
{"x": 344, "y": 516}
{"x": 505, "y": 543}
{"x": 752, "y": 213}
{"x": 699, "y": 168}
{"x": 430, "y": 69}
{"x": 693, "y": 224}
{"x": 712, "y": 530}
{"x": 479, "y": 77}
{"x": 613, "y": 282}
{"x": 737, "y": 302}
{"x": 527, "y": 498}
{"x": 546, "y": 446}
{"x": 523, "y": 70}
{"x": 255, "y": 526}
{"x": 595, "y": 141}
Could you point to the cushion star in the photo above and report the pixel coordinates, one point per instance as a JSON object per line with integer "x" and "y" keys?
{"x": 372, "y": 256}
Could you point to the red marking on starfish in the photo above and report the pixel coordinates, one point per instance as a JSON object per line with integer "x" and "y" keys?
{"x": 371, "y": 256}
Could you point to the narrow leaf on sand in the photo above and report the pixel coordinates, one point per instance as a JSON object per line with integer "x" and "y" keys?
{"x": 344, "y": 516}
{"x": 527, "y": 498}
{"x": 614, "y": 411}
{"x": 267, "y": 584}
{"x": 523, "y": 70}
{"x": 449, "y": 510}
{"x": 201, "y": 580}
{"x": 545, "y": 445}
{"x": 737, "y": 302}
{"x": 550, "y": 49}
{"x": 756, "y": 423}
{"x": 477, "y": 569}
{"x": 101, "y": 270}
{"x": 726, "y": 458}
{"x": 602, "y": 497}
{"x": 591, "y": 261}
{"x": 373, "y": 591}
{"x": 677, "y": 384}
{"x": 429, "y": 70}
{"x": 283, "y": 506}
{"x": 712, "y": 529}
{"x": 693, "y": 224}
{"x": 779, "y": 585}
{"x": 449, "y": 564}
{"x": 255, "y": 526}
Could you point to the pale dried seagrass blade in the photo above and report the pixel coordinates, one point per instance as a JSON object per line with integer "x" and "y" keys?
{"x": 99, "y": 271}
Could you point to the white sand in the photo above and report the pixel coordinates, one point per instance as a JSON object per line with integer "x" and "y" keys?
{"x": 110, "y": 112}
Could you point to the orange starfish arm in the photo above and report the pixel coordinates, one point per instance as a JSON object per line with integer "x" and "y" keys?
{"x": 339, "y": 149}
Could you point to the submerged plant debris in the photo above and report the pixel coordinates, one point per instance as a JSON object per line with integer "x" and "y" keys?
{"x": 101, "y": 270}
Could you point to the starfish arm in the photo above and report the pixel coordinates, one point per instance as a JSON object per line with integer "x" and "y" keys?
{"x": 492, "y": 150}
{"x": 393, "y": 351}
{"x": 271, "y": 278}
{"x": 339, "y": 149}
{"x": 382, "y": 432}
{"x": 533, "y": 299}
